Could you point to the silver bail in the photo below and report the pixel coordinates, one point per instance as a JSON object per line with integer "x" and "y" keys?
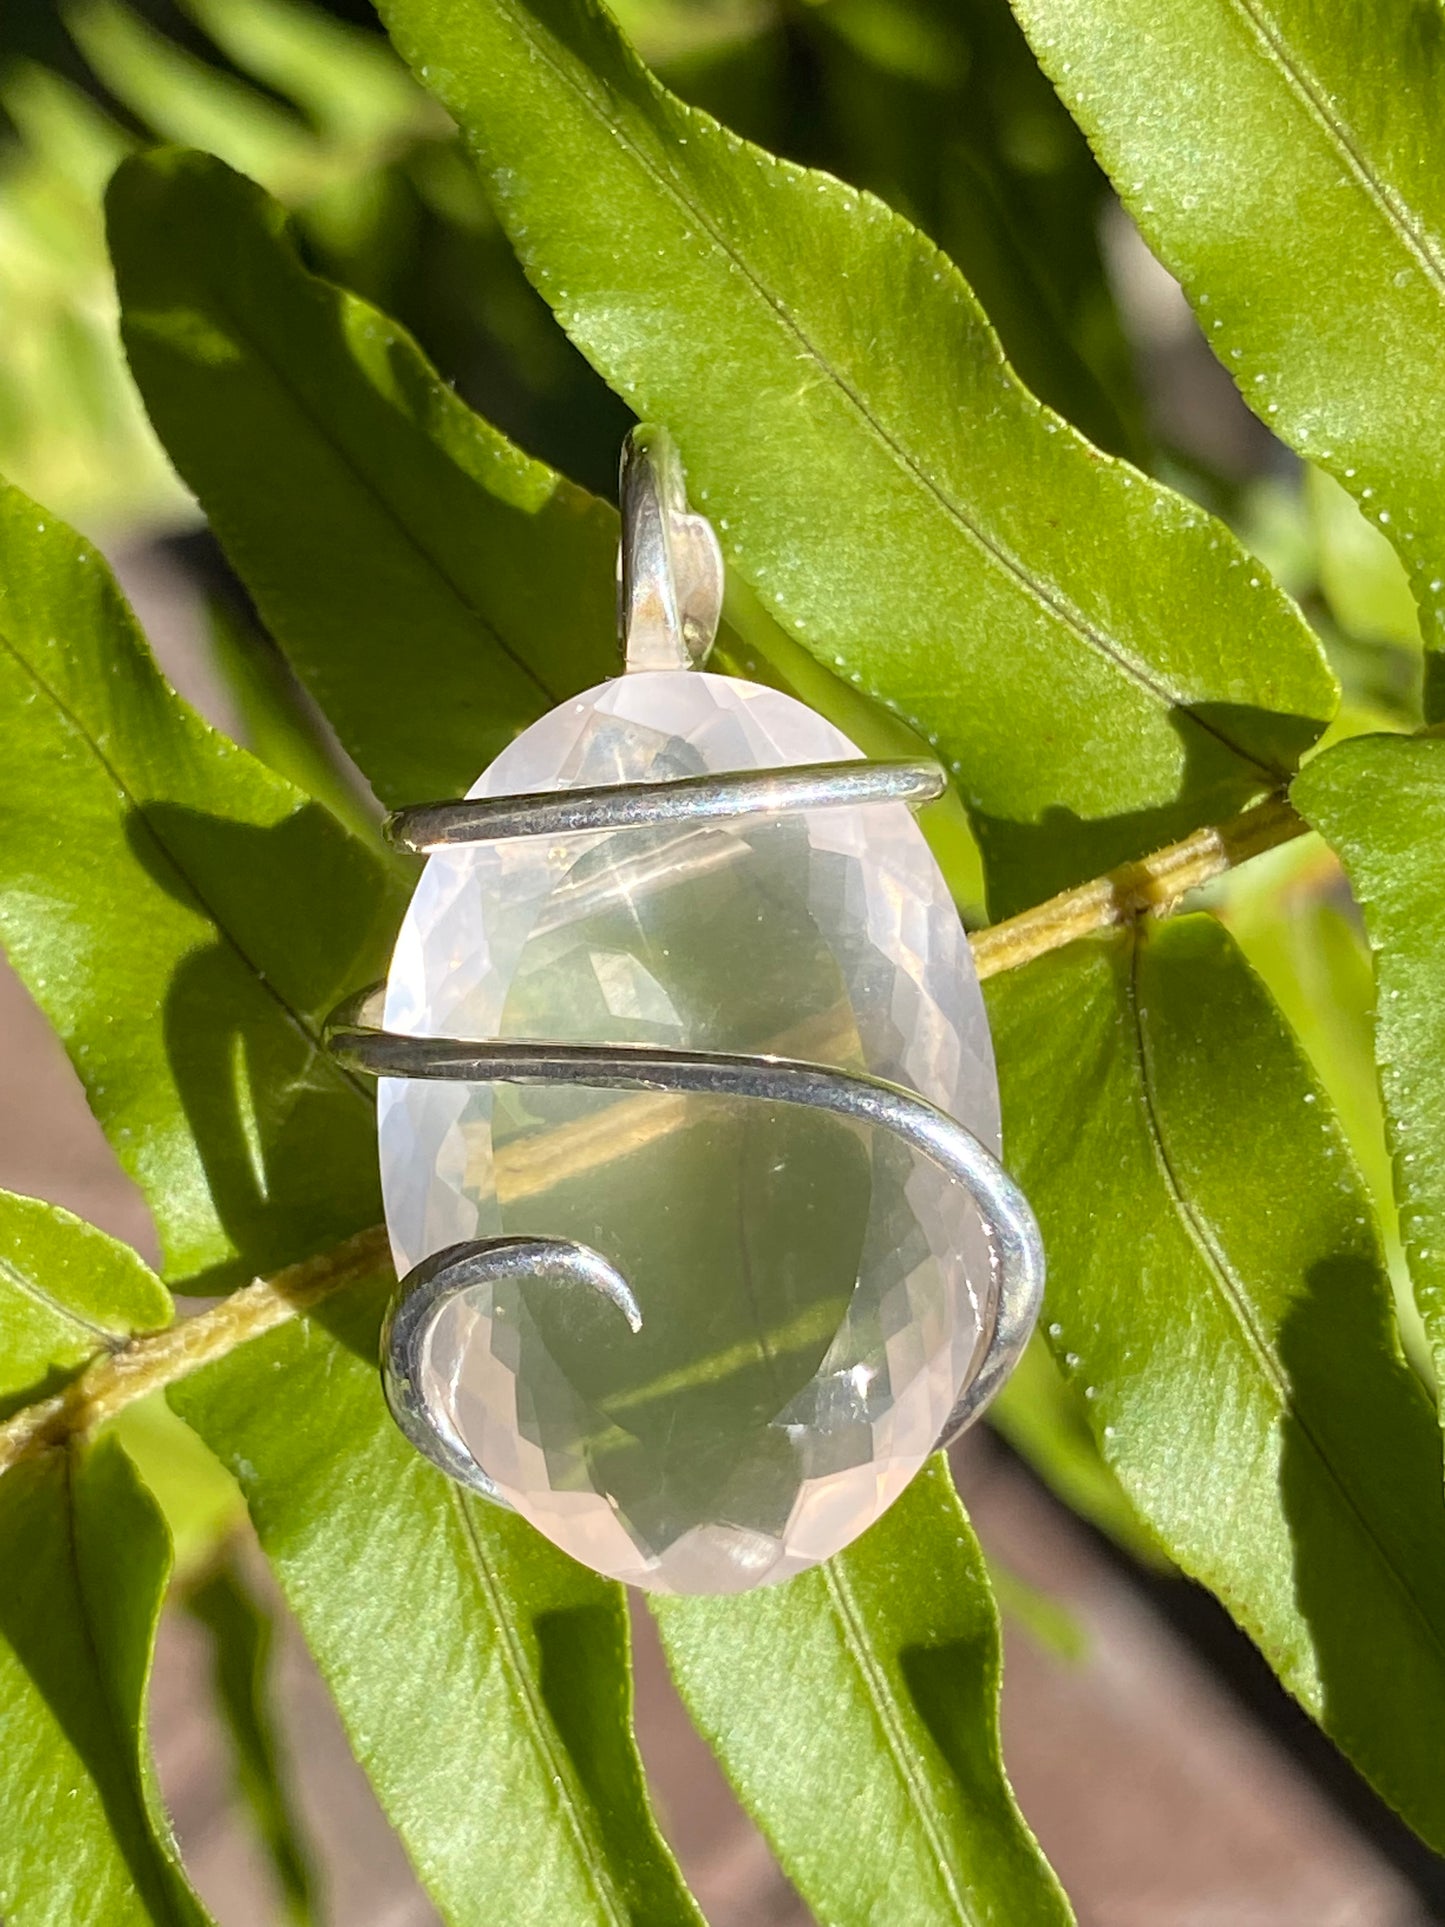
{"x": 669, "y": 565}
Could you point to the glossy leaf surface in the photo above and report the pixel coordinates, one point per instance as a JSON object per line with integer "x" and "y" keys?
{"x": 1298, "y": 931}
{"x": 941, "y": 110}
{"x": 67, "y": 1292}
{"x": 82, "y": 1833}
{"x": 418, "y": 718}
{"x": 873, "y": 467}
{"x": 876, "y": 1678}
{"x": 1043, "y": 1417}
{"x": 184, "y": 918}
{"x": 1287, "y": 161}
{"x": 1221, "y": 1297}
{"x": 372, "y": 675}
{"x": 85, "y": 1556}
{"x": 1379, "y": 801}
{"x": 434, "y": 588}
{"x": 480, "y": 1621}
{"x": 482, "y": 1676}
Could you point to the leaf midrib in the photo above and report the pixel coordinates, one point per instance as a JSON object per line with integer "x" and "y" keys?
{"x": 297, "y": 1019}
{"x": 1398, "y": 215}
{"x": 1049, "y": 597}
{"x": 555, "y": 1764}
{"x": 110, "y": 1339}
{"x": 1236, "y": 1299}
{"x": 120, "y": 1735}
{"x": 905, "y": 1757}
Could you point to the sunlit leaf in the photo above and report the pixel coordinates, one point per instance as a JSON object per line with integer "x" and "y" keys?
{"x": 1291, "y": 916}
{"x": 85, "y": 1557}
{"x": 520, "y": 1655}
{"x": 484, "y": 591}
{"x": 199, "y": 1500}
{"x": 1379, "y": 801}
{"x": 434, "y": 588}
{"x": 184, "y": 918}
{"x": 940, "y": 109}
{"x": 1362, "y": 577}
{"x": 278, "y": 721}
{"x": 871, "y": 463}
{"x": 876, "y": 1678}
{"x": 1288, "y": 163}
{"x": 481, "y": 1674}
{"x": 1218, "y": 1290}
{"x": 66, "y": 1292}
{"x": 1043, "y": 1417}
{"x": 83, "y": 1835}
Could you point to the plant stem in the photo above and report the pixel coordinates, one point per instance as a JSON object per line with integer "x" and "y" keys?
{"x": 144, "y": 1364}
{"x": 1151, "y": 886}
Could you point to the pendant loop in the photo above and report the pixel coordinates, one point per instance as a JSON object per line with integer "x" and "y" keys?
{"x": 669, "y": 564}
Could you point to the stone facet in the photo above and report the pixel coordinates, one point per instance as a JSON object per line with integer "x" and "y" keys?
{"x": 812, "y": 1295}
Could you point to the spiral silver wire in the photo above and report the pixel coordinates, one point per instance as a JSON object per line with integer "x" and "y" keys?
{"x": 670, "y": 595}
{"x": 1017, "y": 1253}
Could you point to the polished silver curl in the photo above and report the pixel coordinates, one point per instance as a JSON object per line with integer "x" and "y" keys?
{"x": 437, "y": 1282}
{"x": 1013, "y": 1234}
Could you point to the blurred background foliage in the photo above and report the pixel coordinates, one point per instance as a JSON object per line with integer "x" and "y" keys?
{"x": 939, "y": 109}
{"x": 935, "y": 105}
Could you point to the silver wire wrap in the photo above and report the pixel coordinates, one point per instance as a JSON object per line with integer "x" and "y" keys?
{"x": 1018, "y": 1258}
{"x": 669, "y": 601}
{"x": 423, "y": 827}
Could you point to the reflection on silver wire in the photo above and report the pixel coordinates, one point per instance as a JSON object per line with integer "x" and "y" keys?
{"x": 437, "y": 1282}
{"x": 1013, "y": 1235}
{"x": 686, "y": 799}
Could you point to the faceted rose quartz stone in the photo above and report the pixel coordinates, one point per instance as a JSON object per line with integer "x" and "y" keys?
{"x": 812, "y": 1293}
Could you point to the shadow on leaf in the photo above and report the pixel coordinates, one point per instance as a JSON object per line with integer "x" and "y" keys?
{"x": 286, "y": 1138}
{"x": 1375, "y": 1672}
{"x": 1231, "y": 753}
{"x": 45, "y": 1624}
{"x": 953, "y": 1688}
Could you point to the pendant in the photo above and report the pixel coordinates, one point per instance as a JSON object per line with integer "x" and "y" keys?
{"x": 688, "y": 1115}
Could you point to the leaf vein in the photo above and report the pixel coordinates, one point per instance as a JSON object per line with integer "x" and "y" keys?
{"x": 1397, "y": 212}
{"x": 109, "y": 1337}
{"x": 554, "y": 1762}
{"x": 1049, "y": 597}
{"x": 112, "y": 1717}
{"x": 903, "y": 1756}
{"x": 427, "y": 556}
{"x": 1236, "y": 1298}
